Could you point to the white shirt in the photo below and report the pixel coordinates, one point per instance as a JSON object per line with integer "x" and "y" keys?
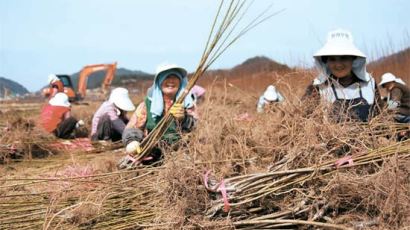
{"x": 350, "y": 92}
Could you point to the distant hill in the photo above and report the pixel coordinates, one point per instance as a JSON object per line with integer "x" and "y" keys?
{"x": 11, "y": 88}
{"x": 259, "y": 64}
{"x": 397, "y": 63}
{"x": 248, "y": 68}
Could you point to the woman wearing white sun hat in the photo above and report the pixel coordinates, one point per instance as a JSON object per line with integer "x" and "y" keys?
{"x": 56, "y": 117}
{"x": 169, "y": 83}
{"x": 343, "y": 80}
{"x": 110, "y": 119}
{"x": 398, "y": 96}
{"x": 270, "y": 96}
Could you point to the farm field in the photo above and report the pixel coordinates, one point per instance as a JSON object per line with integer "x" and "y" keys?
{"x": 277, "y": 169}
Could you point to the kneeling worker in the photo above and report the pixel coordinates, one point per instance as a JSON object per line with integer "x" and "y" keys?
{"x": 110, "y": 119}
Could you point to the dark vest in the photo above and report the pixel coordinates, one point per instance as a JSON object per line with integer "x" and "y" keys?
{"x": 171, "y": 135}
{"x": 356, "y": 109}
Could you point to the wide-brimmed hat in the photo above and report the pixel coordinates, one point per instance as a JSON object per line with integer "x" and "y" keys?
{"x": 60, "y": 99}
{"x": 270, "y": 94}
{"x": 389, "y": 77}
{"x": 52, "y": 78}
{"x": 120, "y": 98}
{"x": 339, "y": 42}
{"x": 168, "y": 67}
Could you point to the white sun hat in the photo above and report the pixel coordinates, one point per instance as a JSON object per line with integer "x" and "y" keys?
{"x": 270, "y": 94}
{"x": 60, "y": 99}
{"x": 389, "y": 77}
{"x": 339, "y": 42}
{"x": 52, "y": 78}
{"x": 120, "y": 98}
{"x": 165, "y": 67}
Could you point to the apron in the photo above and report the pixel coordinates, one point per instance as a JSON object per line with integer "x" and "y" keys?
{"x": 351, "y": 109}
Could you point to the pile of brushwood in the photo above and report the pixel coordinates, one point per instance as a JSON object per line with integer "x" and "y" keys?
{"x": 19, "y": 139}
{"x": 273, "y": 170}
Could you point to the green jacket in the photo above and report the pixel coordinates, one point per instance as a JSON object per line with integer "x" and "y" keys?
{"x": 171, "y": 135}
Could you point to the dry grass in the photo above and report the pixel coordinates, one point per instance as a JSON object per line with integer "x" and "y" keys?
{"x": 85, "y": 190}
{"x": 20, "y": 139}
{"x": 277, "y": 170}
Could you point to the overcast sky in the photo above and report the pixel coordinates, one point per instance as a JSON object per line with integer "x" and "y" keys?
{"x": 39, "y": 37}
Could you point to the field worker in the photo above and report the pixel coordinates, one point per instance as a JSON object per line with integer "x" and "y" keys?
{"x": 269, "y": 97}
{"x": 56, "y": 117}
{"x": 198, "y": 94}
{"x": 343, "y": 80}
{"x": 110, "y": 119}
{"x": 168, "y": 85}
{"x": 398, "y": 97}
{"x": 56, "y": 85}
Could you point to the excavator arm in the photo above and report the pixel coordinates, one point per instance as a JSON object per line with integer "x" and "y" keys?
{"x": 89, "y": 69}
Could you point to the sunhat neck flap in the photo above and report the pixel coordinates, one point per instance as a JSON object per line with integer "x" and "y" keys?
{"x": 358, "y": 68}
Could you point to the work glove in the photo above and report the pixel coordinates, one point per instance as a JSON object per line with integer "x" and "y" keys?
{"x": 79, "y": 124}
{"x": 133, "y": 148}
{"x": 127, "y": 162}
{"x": 391, "y": 105}
{"x": 178, "y": 111}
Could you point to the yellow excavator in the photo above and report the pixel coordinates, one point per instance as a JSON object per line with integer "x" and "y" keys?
{"x": 87, "y": 70}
